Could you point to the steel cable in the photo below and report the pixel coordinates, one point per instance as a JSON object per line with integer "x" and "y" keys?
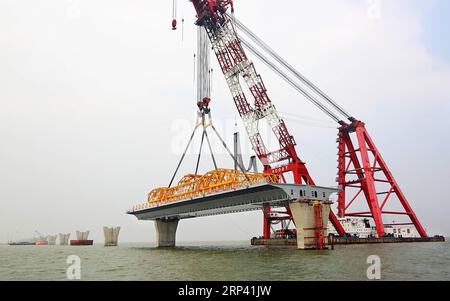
{"x": 284, "y": 63}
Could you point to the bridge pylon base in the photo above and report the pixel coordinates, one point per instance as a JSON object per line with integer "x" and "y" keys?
{"x": 166, "y": 231}
{"x": 311, "y": 218}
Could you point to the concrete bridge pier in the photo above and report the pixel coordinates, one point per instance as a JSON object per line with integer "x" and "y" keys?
{"x": 166, "y": 231}
{"x": 311, "y": 219}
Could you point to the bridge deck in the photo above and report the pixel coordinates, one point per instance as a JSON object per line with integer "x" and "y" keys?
{"x": 241, "y": 200}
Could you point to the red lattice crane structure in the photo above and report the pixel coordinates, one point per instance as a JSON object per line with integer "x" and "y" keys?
{"x": 360, "y": 164}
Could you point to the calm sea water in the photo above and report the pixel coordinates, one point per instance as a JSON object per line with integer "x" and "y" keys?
{"x": 225, "y": 261}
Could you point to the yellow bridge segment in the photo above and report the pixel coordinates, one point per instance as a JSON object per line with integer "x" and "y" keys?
{"x": 192, "y": 186}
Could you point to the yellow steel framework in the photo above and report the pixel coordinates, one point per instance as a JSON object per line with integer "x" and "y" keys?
{"x": 191, "y": 186}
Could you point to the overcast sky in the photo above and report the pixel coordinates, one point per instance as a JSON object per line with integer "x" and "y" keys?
{"x": 96, "y": 96}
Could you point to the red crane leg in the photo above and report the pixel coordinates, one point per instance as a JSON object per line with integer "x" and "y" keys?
{"x": 396, "y": 187}
{"x": 369, "y": 183}
{"x": 318, "y": 227}
{"x": 266, "y": 223}
{"x": 336, "y": 223}
{"x": 366, "y": 170}
{"x": 342, "y": 167}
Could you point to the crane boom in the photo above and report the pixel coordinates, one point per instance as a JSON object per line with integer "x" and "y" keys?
{"x": 236, "y": 66}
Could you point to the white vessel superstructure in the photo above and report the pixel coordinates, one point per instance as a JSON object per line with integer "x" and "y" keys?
{"x": 361, "y": 227}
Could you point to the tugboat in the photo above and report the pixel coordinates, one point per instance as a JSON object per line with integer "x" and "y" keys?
{"x": 41, "y": 240}
{"x": 41, "y": 243}
{"x": 21, "y": 243}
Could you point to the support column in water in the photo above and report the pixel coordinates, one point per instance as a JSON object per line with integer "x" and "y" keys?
{"x": 311, "y": 218}
{"x": 64, "y": 239}
{"x": 111, "y": 236}
{"x": 166, "y": 231}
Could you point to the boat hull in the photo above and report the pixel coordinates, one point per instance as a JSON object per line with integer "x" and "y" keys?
{"x": 81, "y": 242}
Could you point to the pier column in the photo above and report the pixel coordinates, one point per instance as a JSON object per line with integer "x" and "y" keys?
{"x": 64, "y": 239}
{"x": 166, "y": 231}
{"x": 305, "y": 218}
{"x": 111, "y": 236}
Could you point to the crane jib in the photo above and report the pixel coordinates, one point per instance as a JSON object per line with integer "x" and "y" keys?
{"x": 236, "y": 66}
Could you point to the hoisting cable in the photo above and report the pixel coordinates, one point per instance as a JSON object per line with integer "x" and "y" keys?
{"x": 182, "y": 23}
{"x": 289, "y": 80}
{"x": 182, "y": 29}
{"x": 211, "y": 80}
{"x": 210, "y": 148}
{"x": 200, "y": 152}
{"x": 184, "y": 155}
{"x": 194, "y": 66}
{"x": 174, "y": 15}
{"x": 284, "y": 63}
{"x": 203, "y": 64}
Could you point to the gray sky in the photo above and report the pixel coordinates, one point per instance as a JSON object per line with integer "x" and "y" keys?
{"x": 96, "y": 97}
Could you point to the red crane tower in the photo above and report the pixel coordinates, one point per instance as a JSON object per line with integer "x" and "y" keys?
{"x": 360, "y": 164}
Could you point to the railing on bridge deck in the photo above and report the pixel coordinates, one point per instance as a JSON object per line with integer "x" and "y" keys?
{"x": 192, "y": 186}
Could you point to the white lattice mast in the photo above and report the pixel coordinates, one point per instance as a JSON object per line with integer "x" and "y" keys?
{"x": 203, "y": 65}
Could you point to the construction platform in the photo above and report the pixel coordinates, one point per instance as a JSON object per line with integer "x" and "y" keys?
{"x": 347, "y": 240}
